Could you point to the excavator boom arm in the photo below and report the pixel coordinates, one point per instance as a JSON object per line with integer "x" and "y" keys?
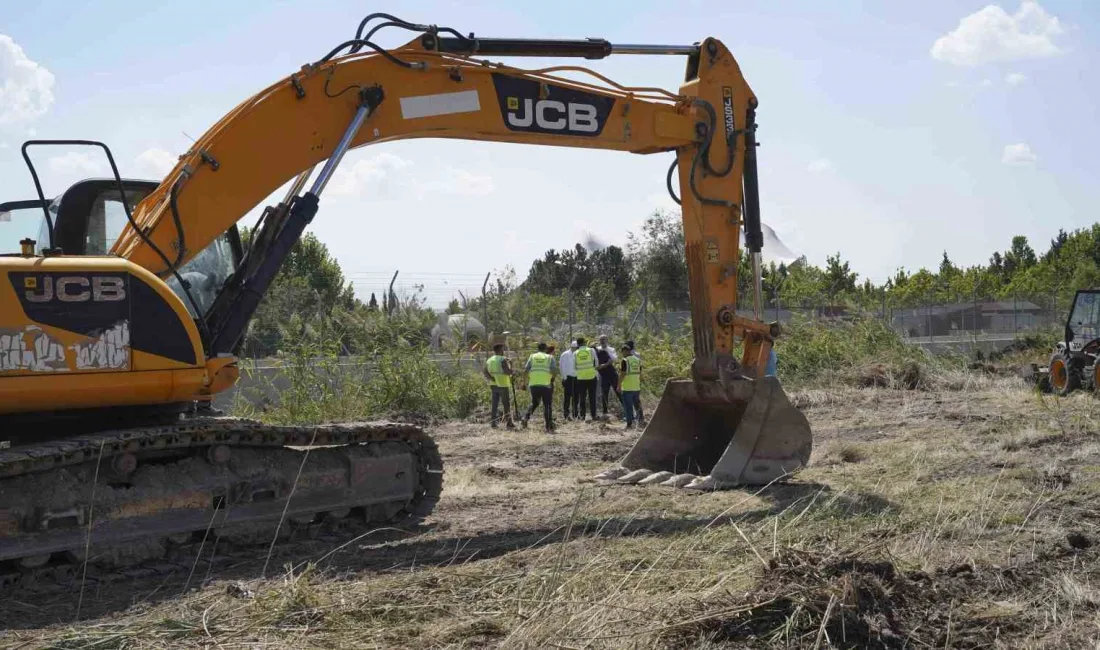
{"x": 431, "y": 88}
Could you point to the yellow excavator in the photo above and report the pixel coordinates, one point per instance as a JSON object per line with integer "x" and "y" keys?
{"x": 111, "y": 349}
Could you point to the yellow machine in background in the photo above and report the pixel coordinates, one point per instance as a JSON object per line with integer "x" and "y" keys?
{"x": 103, "y": 357}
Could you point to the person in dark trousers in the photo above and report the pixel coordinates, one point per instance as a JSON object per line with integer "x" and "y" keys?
{"x": 609, "y": 379}
{"x": 541, "y": 369}
{"x": 550, "y": 347}
{"x": 631, "y": 367}
{"x": 638, "y": 406}
{"x": 585, "y": 358}
{"x": 499, "y": 373}
{"x": 567, "y": 365}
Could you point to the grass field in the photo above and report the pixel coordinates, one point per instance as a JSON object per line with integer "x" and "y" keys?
{"x": 962, "y": 514}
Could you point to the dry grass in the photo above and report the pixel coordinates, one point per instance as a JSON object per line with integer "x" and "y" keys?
{"x": 928, "y": 518}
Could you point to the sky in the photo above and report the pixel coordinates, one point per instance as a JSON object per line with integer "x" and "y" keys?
{"x": 890, "y": 131}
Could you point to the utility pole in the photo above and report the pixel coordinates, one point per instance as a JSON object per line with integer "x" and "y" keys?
{"x": 928, "y": 315}
{"x": 1015, "y": 312}
{"x": 974, "y": 321}
{"x": 392, "y": 297}
{"x": 569, "y": 297}
{"x": 485, "y": 304}
{"x": 640, "y": 312}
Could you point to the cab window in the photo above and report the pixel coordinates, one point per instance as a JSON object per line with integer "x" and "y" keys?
{"x": 19, "y": 223}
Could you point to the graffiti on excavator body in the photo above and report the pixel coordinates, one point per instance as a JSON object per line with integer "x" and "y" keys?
{"x": 32, "y": 349}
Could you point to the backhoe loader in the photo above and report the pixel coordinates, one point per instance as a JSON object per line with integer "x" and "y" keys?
{"x": 111, "y": 348}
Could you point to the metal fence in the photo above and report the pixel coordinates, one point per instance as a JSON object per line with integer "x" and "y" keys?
{"x": 932, "y": 320}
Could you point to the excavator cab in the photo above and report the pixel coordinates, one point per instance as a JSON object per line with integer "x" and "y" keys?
{"x": 87, "y": 219}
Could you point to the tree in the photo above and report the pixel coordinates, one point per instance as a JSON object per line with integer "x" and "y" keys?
{"x": 660, "y": 261}
{"x": 309, "y": 288}
{"x": 804, "y": 285}
{"x": 577, "y": 268}
{"x": 453, "y": 307}
{"x": 600, "y": 298}
{"x": 373, "y": 304}
{"x": 1020, "y": 257}
{"x": 1056, "y": 245}
{"x": 612, "y": 266}
{"x": 839, "y": 278}
{"x": 310, "y": 259}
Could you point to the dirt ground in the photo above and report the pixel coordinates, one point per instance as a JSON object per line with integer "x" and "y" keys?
{"x": 961, "y": 516}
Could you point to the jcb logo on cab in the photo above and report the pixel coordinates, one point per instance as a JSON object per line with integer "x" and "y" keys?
{"x": 76, "y": 288}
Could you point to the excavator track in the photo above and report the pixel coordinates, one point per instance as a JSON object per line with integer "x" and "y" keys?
{"x": 122, "y": 501}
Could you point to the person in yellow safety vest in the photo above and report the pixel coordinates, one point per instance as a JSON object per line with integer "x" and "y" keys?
{"x": 630, "y": 385}
{"x": 499, "y": 373}
{"x": 585, "y": 358}
{"x": 541, "y": 369}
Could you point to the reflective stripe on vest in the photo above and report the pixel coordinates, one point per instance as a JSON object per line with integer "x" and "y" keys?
{"x": 539, "y": 375}
{"x": 495, "y": 366}
{"x": 586, "y": 363}
{"x": 633, "y": 379}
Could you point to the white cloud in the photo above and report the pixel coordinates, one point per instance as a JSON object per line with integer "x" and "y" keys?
{"x": 26, "y": 88}
{"x": 986, "y": 83}
{"x": 4, "y": 145}
{"x": 1015, "y": 79}
{"x": 992, "y": 34}
{"x": 820, "y": 166}
{"x": 389, "y": 176}
{"x": 462, "y": 182}
{"x": 378, "y": 176}
{"x": 657, "y": 201}
{"x": 1018, "y": 154}
{"x": 77, "y": 163}
{"x": 154, "y": 163}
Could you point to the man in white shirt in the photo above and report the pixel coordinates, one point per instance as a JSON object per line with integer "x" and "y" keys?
{"x": 567, "y": 365}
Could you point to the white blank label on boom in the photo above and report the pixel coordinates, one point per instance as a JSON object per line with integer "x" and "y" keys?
{"x": 442, "y": 104}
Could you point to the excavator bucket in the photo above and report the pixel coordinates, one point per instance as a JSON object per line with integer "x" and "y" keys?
{"x": 713, "y": 435}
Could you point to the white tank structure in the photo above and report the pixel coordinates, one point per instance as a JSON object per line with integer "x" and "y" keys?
{"x": 452, "y": 328}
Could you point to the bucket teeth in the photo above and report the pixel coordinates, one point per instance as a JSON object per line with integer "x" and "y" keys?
{"x": 736, "y": 431}
{"x": 611, "y": 474}
{"x": 635, "y": 476}
{"x": 678, "y": 480}
{"x": 703, "y": 483}
{"x": 656, "y": 477}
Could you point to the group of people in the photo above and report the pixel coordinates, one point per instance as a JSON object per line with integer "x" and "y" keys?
{"x": 583, "y": 371}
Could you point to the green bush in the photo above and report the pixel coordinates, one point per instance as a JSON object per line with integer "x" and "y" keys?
{"x": 316, "y": 385}
{"x": 862, "y": 351}
{"x": 402, "y": 380}
{"x": 468, "y": 391}
{"x": 812, "y": 350}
